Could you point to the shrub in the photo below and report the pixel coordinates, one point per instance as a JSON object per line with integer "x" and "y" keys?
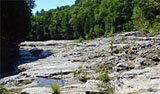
{"x": 81, "y": 39}
{"x": 82, "y": 78}
{"x": 25, "y": 82}
{"x": 75, "y": 72}
{"x": 156, "y": 24}
{"x": 56, "y": 88}
{"x": 3, "y": 90}
{"x": 80, "y": 68}
{"x": 158, "y": 50}
{"x": 104, "y": 77}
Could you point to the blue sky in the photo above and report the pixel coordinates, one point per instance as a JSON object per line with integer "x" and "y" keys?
{"x": 50, "y": 4}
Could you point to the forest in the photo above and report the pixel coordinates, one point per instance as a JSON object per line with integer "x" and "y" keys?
{"x": 88, "y": 19}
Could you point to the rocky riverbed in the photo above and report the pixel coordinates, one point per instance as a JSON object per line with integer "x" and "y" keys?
{"x": 131, "y": 60}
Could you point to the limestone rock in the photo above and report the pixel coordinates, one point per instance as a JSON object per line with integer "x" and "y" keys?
{"x": 37, "y": 90}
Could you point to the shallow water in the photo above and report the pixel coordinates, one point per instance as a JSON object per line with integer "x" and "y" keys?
{"x": 45, "y": 82}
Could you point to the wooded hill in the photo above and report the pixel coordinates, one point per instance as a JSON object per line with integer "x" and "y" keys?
{"x": 88, "y": 19}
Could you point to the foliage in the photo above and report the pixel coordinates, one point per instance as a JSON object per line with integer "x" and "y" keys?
{"x": 81, "y": 39}
{"x": 75, "y": 72}
{"x": 81, "y": 74}
{"x": 56, "y": 88}
{"x": 82, "y": 78}
{"x": 112, "y": 40}
{"x": 158, "y": 51}
{"x": 25, "y": 82}
{"x": 104, "y": 74}
{"x": 15, "y": 18}
{"x": 104, "y": 77}
{"x": 88, "y": 19}
{"x": 80, "y": 68}
{"x": 156, "y": 24}
{"x": 3, "y": 90}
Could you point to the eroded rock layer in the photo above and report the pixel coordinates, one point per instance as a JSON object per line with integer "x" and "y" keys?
{"x": 132, "y": 63}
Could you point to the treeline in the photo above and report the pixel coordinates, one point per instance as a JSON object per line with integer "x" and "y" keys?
{"x": 89, "y": 19}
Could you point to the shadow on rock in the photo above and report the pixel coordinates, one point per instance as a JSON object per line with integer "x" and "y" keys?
{"x": 28, "y": 56}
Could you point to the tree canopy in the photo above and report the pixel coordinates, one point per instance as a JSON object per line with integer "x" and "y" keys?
{"x": 89, "y": 19}
{"x": 15, "y": 20}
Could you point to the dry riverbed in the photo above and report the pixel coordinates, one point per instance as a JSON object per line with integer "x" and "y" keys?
{"x": 128, "y": 63}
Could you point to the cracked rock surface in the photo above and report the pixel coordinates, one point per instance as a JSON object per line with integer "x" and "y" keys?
{"x": 133, "y": 65}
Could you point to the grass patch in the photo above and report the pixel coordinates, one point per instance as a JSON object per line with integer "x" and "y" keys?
{"x": 25, "y": 82}
{"x": 104, "y": 77}
{"x": 56, "y": 88}
{"x": 80, "y": 74}
{"x": 121, "y": 50}
{"x": 158, "y": 51}
{"x": 3, "y": 90}
{"x": 103, "y": 50}
{"x": 75, "y": 72}
{"x": 83, "y": 78}
{"x": 80, "y": 70}
{"x": 80, "y": 39}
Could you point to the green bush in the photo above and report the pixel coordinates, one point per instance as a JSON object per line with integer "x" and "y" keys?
{"x": 25, "y": 82}
{"x": 56, "y": 88}
{"x": 82, "y": 78}
{"x": 158, "y": 50}
{"x": 81, "y": 39}
{"x": 156, "y": 27}
{"x": 104, "y": 77}
{"x": 75, "y": 72}
{"x": 3, "y": 90}
{"x": 80, "y": 68}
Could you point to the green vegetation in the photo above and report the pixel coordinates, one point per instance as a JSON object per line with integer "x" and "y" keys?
{"x": 104, "y": 77}
{"x": 15, "y": 18}
{"x": 104, "y": 74}
{"x": 81, "y": 39}
{"x": 88, "y": 19}
{"x": 56, "y": 88}
{"x": 158, "y": 51}
{"x": 81, "y": 74}
{"x": 112, "y": 40}
{"x": 121, "y": 50}
{"x": 80, "y": 68}
{"x": 75, "y": 72}
{"x": 83, "y": 78}
{"x": 25, "y": 82}
{"x": 3, "y": 90}
{"x": 15, "y": 26}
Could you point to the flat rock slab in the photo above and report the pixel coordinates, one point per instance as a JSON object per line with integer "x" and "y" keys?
{"x": 81, "y": 88}
{"x": 146, "y": 80}
{"x": 37, "y": 90}
{"x": 48, "y": 43}
{"x": 134, "y": 56}
{"x": 49, "y": 67}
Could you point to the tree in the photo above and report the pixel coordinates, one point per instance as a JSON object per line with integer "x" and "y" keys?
{"x": 15, "y": 25}
{"x": 94, "y": 18}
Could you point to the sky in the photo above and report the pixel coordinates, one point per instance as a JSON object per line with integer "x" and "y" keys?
{"x": 50, "y": 4}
